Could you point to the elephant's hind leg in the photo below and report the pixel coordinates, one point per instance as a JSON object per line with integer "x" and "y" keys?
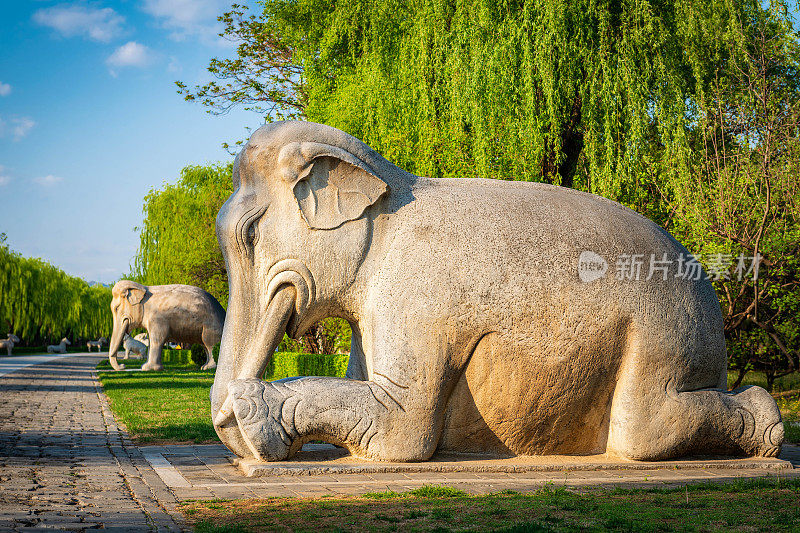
{"x": 657, "y": 414}
{"x": 208, "y": 343}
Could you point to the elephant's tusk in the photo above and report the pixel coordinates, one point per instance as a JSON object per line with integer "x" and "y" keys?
{"x": 271, "y": 328}
{"x": 225, "y": 412}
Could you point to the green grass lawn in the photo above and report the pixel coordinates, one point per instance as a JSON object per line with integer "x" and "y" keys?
{"x": 170, "y": 405}
{"x": 748, "y": 505}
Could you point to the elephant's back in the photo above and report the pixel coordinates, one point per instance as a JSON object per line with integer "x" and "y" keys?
{"x": 192, "y": 300}
{"x": 504, "y": 247}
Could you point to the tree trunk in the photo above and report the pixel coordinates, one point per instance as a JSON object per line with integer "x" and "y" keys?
{"x": 739, "y": 378}
{"x": 770, "y": 379}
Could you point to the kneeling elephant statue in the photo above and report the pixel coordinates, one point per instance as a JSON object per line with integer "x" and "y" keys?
{"x": 484, "y": 316}
{"x": 181, "y": 313}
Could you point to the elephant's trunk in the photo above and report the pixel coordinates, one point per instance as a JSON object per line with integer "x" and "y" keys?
{"x": 238, "y": 360}
{"x": 120, "y": 329}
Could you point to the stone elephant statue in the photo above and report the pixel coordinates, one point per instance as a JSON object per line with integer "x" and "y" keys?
{"x": 176, "y": 312}
{"x": 485, "y": 316}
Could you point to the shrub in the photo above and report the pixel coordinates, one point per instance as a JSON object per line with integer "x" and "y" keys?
{"x": 289, "y": 364}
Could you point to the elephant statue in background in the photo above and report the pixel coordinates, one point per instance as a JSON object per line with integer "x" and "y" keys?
{"x": 484, "y": 316}
{"x": 8, "y": 343}
{"x": 181, "y": 313}
{"x": 60, "y": 347}
{"x": 133, "y": 345}
{"x": 142, "y": 337}
{"x": 96, "y": 344}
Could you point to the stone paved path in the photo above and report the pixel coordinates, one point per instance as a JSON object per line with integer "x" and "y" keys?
{"x": 64, "y": 463}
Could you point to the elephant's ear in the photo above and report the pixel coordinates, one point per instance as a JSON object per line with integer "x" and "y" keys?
{"x": 134, "y": 292}
{"x": 331, "y": 185}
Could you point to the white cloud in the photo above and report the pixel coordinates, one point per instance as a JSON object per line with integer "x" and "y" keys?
{"x": 130, "y": 54}
{"x": 48, "y": 181}
{"x": 5, "y": 89}
{"x": 5, "y": 179}
{"x": 16, "y": 127}
{"x": 174, "y": 65}
{"x": 188, "y": 17}
{"x": 21, "y": 127}
{"x": 70, "y": 20}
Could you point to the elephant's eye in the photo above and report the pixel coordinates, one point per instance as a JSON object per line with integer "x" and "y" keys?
{"x": 247, "y": 228}
{"x": 252, "y": 234}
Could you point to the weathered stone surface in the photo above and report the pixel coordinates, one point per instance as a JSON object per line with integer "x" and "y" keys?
{"x": 484, "y": 315}
{"x": 96, "y": 344}
{"x": 9, "y": 342}
{"x": 133, "y": 346}
{"x": 180, "y": 313}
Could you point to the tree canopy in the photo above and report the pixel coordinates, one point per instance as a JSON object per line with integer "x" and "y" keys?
{"x": 177, "y": 239}
{"x": 41, "y": 303}
{"x": 685, "y": 110}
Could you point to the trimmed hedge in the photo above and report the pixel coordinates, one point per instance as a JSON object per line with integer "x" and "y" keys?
{"x": 283, "y": 364}
{"x": 290, "y": 364}
{"x": 176, "y": 357}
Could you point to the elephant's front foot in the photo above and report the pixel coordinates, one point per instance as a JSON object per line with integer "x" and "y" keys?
{"x": 211, "y": 365}
{"x": 152, "y": 365}
{"x": 258, "y": 407}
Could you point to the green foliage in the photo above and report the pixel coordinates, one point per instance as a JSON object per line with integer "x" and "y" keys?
{"x": 171, "y": 357}
{"x": 178, "y": 242}
{"x": 685, "y": 110}
{"x": 742, "y": 198}
{"x": 41, "y": 303}
{"x": 438, "y": 491}
{"x": 288, "y": 364}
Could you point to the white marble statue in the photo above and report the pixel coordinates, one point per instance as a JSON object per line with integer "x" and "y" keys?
{"x": 131, "y": 345}
{"x": 96, "y": 344}
{"x": 60, "y": 347}
{"x": 9, "y": 343}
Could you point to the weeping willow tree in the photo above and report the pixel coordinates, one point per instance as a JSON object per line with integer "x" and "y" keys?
{"x": 685, "y": 110}
{"x": 581, "y": 93}
{"x": 40, "y": 303}
{"x": 177, "y": 239}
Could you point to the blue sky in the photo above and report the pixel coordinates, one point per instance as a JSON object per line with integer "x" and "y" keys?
{"x": 90, "y": 121}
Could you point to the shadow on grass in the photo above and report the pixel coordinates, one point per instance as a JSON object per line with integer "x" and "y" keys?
{"x": 704, "y": 507}
{"x": 167, "y": 405}
{"x": 196, "y": 432}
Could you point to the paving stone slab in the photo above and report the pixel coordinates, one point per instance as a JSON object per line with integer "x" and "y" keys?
{"x": 63, "y": 463}
{"x": 319, "y": 459}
